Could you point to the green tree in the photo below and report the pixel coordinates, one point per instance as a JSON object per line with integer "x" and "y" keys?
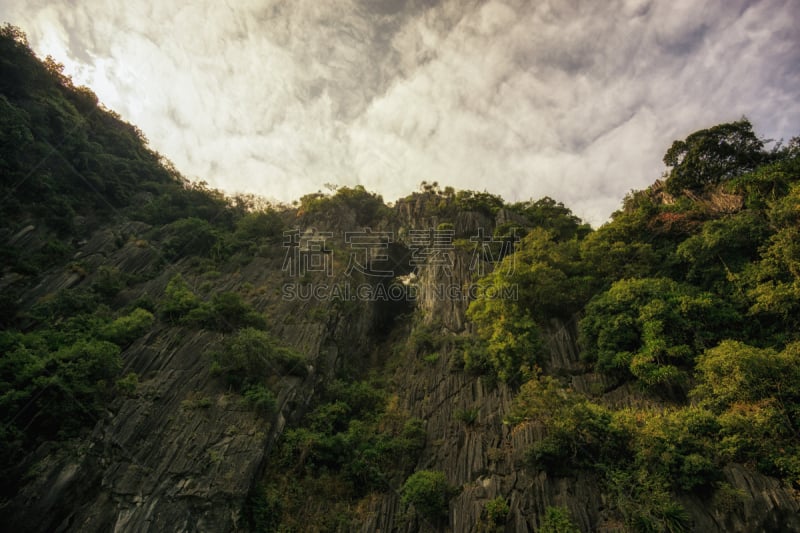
{"x": 652, "y": 329}
{"x": 189, "y": 236}
{"x": 756, "y": 392}
{"x": 723, "y": 248}
{"x": 549, "y": 281}
{"x": 178, "y": 299}
{"x": 429, "y": 492}
{"x": 710, "y": 156}
{"x": 736, "y": 372}
{"x": 553, "y": 216}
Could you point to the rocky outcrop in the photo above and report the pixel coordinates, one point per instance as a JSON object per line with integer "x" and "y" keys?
{"x": 468, "y": 441}
{"x": 183, "y": 452}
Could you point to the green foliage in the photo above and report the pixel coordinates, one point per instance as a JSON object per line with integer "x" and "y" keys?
{"x": 467, "y": 416}
{"x": 51, "y": 387}
{"x": 643, "y": 457}
{"x": 264, "y": 510}
{"x": 511, "y": 340}
{"x": 676, "y": 446}
{"x": 482, "y": 202}
{"x": 557, "y": 520}
{"x": 540, "y": 398}
{"x": 432, "y": 358}
{"x": 707, "y": 157}
{"x": 652, "y": 329}
{"x": 200, "y": 402}
{"x": 553, "y": 216}
{"x": 772, "y": 283}
{"x": 250, "y": 356}
{"x": 356, "y": 438}
{"x": 189, "y": 236}
{"x": 108, "y": 281}
{"x": 368, "y": 207}
{"x": 257, "y": 227}
{"x": 64, "y": 304}
{"x": 227, "y": 311}
{"x": 645, "y": 504}
{"x": 723, "y": 248}
{"x": 549, "y": 281}
{"x": 625, "y": 248}
{"x": 734, "y": 372}
{"x": 580, "y": 436}
{"x": 756, "y": 393}
{"x": 426, "y": 337}
{"x": 128, "y": 328}
{"x": 178, "y": 299}
{"x": 127, "y": 385}
{"x": 495, "y": 512}
{"x": 429, "y": 492}
{"x": 101, "y": 163}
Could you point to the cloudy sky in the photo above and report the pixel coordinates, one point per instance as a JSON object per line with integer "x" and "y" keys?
{"x": 577, "y": 100}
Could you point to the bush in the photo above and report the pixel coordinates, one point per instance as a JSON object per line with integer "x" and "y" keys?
{"x": 495, "y": 512}
{"x": 128, "y": 328}
{"x": 468, "y": 416}
{"x": 557, "y": 520}
{"x": 257, "y": 226}
{"x": 189, "y": 236}
{"x": 127, "y": 385}
{"x": 109, "y": 281}
{"x": 429, "y": 492}
{"x": 260, "y": 398}
{"x": 252, "y": 355}
{"x": 178, "y": 299}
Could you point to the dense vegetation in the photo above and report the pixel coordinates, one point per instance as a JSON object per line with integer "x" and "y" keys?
{"x": 688, "y": 296}
{"x": 69, "y": 168}
{"x": 687, "y": 300}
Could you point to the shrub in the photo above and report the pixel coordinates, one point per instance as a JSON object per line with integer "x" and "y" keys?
{"x": 251, "y": 355}
{"x": 429, "y": 492}
{"x": 189, "y": 236}
{"x": 468, "y": 416}
{"x": 128, "y": 328}
{"x": 495, "y": 512}
{"x": 127, "y": 385}
{"x": 557, "y": 520}
{"x": 260, "y": 398}
{"x": 178, "y": 299}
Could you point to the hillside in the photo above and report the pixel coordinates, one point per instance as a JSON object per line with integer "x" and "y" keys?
{"x": 174, "y": 359}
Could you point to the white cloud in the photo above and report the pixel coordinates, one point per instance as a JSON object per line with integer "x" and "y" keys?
{"x": 576, "y": 100}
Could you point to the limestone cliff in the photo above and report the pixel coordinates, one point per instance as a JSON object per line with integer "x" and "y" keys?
{"x": 182, "y": 453}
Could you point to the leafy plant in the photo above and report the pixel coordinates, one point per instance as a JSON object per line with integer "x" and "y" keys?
{"x": 495, "y": 512}
{"x": 251, "y": 355}
{"x": 557, "y": 520}
{"x": 429, "y": 492}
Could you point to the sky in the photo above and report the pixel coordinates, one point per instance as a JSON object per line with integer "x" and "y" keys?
{"x": 576, "y": 100}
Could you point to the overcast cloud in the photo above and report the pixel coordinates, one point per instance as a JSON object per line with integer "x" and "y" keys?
{"x": 573, "y": 99}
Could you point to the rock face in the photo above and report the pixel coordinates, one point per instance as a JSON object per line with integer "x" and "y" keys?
{"x": 183, "y": 452}
{"x": 485, "y": 458}
{"x": 468, "y": 441}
